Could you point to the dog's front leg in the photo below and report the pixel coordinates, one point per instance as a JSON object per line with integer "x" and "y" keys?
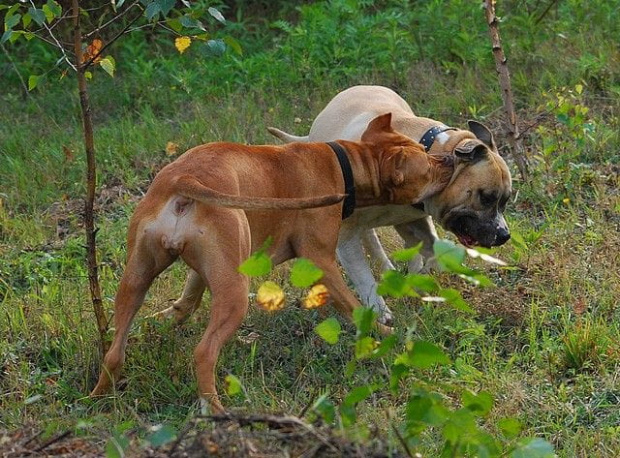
{"x": 414, "y": 232}
{"x": 352, "y": 258}
{"x": 377, "y": 254}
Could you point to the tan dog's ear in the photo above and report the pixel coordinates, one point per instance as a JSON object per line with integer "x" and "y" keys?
{"x": 482, "y": 133}
{"x": 381, "y": 124}
{"x": 470, "y": 151}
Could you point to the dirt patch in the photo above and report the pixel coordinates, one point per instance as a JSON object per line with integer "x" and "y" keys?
{"x": 226, "y": 436}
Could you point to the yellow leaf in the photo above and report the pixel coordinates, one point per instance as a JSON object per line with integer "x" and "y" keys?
{"x": 172, "y": 149}
{"x": 317, "y": 297}
{"x": 270, "y": 296}
{"x": 182, "y": 43}
{"x": 93, "y": 50}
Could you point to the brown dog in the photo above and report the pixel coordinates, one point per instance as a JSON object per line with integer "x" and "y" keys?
{"x": 183, "y": 215}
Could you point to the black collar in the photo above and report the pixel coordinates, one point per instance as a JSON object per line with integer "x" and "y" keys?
{"x": 347, "y": 173}
{"x": 429, "y": 136}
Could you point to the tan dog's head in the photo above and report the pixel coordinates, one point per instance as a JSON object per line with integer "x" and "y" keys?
{"x": 406, "y": 174}
{"x": 472, "y": 205}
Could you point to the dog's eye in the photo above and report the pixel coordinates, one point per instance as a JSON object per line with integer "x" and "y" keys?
{"x": 487, "y": 200}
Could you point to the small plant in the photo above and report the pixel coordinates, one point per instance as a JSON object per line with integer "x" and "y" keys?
{"x": 583, "y": 347}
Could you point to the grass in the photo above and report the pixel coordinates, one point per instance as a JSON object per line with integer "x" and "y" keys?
{"x": 544, "y": 341}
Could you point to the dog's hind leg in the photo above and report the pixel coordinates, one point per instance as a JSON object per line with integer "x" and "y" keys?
{"x": 189, "y": 301}
{"x": 375, "y": 250}
{"x": 143, "y": 265}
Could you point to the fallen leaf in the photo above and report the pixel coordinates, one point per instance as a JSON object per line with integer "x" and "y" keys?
{"x": 270, "y": 296}
{"x": 69, "y": 155}
{"x": 172, "y": 149}
{"x": 316, "y": 297}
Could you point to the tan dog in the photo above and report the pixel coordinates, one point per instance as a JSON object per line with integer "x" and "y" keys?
{"x": 191, "y": 211}
{"x": 471, "y": 206}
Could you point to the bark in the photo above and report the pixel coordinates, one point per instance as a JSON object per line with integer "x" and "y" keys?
{"x": 91, "y": 176}
{"x": 501, "y": 66}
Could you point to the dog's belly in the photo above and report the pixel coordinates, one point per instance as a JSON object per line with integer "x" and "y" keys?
{"x": 384, "y": 215}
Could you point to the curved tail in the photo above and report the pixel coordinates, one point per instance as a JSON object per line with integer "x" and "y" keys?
{"x": 287, "y": 138}
{"x": 188, "y": 186}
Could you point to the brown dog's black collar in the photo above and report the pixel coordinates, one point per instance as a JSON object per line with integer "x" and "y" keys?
{"x": 347, "y": 172}
{"x": 429, "y": 136}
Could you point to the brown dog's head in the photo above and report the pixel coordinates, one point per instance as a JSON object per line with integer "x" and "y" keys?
{"x": 406, "y": 174}
{"x": 471, "y": 206}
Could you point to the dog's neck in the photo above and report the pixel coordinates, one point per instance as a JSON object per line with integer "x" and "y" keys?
{"x": 366, "y": 176}
{"x": 415, "y": 127}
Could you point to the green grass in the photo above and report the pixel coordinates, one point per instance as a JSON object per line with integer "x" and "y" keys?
{"x": 544, "y": 341}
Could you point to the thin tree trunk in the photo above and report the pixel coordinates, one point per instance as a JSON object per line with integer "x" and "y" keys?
{"x": 91, "y": 175}
{"x": 501, "y": 67}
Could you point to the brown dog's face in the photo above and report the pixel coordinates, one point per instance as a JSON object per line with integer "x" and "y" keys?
{"x": 472, "y": 205}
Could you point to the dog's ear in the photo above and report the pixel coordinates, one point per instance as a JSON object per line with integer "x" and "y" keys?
{"x": 394, "y": 167}
{"x": 470, "y": 151}
{"x": 381, "y": 124}
{"x": 482, "y": 133}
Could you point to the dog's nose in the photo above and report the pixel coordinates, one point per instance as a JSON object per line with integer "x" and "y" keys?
{"x": 503, "y": 235}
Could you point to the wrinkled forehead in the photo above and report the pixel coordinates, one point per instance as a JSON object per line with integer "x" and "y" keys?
{"x": 491, "y": 173}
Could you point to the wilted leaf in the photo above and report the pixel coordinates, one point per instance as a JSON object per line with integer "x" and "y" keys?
{"x": 304, "y": 273}
{"x": 172, "y": 149}
{"x": 329, "y": 330}
{"x": 182, "y": 43}
{"x": 216, "y": 14}
{"x": 316, "y": 297}
{"x": 233, "y": 385}
{"x": 270, "y": 296}
{"x": 109, "y": 65}
{"x": 92, "y": 51}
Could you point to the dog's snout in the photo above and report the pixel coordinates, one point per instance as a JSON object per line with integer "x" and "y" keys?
{"x": 503, "y": 235}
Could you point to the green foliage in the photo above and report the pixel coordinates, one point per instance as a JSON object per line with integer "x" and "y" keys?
{"x": 329, "y": 330}
{"x": 304, "y": 273}
{"x": 259, "y": 263}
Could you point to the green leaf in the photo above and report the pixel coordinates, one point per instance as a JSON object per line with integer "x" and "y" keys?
{"x": 394, "y": 284}
{"x": 165, "y": 6}
{"x": 510, "y": 427}
{"x": 363, "y": 318}
{"x": 358, "y": 394}
{"x": 533, "y": 448}
{"x": 175, "y": 24}
{"x": 216, "y": 14}
{"x": 26, "y": 19}
{"x": 5, "y": 36}
{"x": 364, "y": 347}
{"x": 190, "y": 22}
{"x": 11, "y": 21}
{"x": 109, "y": 65}
{"x": 216, "y": 47}
{"x": 152, "y": 10}
{"x": 458, "y": 426}
{"x": 233, "y": 44}
{"x": 454, "y": 298}
{"x": 425, "y": 354}
{"x": 329, "y": 330}
{"x": 479, "y": 404}
{"x": 449, "y": 256}
{"x": 33, "y": 80}
{"x": 259, "y": 263}
{"x": 325, "y": 408}
{"x": 116, "y": 446}
{"x": 162, "y": 435}
{"x": 407, "y": 254}
{"x": 424, "y": 283}
{"x": 37, "y": 15}
{"x": 304, "y": 273}
{"x": 398, "y": 372}
{"x": 385, "y": 346}
{"x": 233, "y": 385}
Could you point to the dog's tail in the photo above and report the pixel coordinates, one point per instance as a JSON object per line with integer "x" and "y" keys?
{"x": 188, "y": 186}
{"x": 287, "y": 138}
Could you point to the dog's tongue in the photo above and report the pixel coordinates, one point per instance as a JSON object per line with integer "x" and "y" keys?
{"x": 467, "y": 240}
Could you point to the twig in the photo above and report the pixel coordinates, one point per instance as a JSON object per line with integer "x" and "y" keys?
{"x": 114, "y": 19}
{"x": 56, "y": 42}
{"x": 544, "y": 13}
{"x": 52, "y": 441}
{"x": 504, "y": 80}
{"x": 401, "y": 439}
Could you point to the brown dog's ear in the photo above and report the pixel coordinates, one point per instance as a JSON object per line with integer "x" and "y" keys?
{"x": 482, "y": 133}
{"x": 395, "y": 166}
{"x": 381, "y": 124}
{"x": 470, "y": 151}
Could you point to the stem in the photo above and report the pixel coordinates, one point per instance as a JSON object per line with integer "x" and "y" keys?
{"x": 89, "y": 220}
{"x": 501, "y": 67}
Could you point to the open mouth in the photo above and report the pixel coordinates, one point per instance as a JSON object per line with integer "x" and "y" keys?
{"x": 467, "y": 240}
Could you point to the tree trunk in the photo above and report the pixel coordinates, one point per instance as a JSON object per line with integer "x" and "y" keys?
{"x": 501, "y": 67}
{"x": 91, "y": 176}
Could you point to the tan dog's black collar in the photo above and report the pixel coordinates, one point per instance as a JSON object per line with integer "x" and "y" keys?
{"x": 349, "y": 185}
{"x": 429, "y": 136}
